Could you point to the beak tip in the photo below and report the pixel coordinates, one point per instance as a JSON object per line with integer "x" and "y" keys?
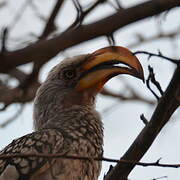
{"x": 143, "y": 80}
{"x": 140, "y": 75}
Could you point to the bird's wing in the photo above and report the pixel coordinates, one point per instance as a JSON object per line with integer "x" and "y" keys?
{"x": 48, "y": 141}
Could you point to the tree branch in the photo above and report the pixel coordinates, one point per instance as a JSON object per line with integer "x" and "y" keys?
{"x": 47, "y": 49}
{"x": 50, "y": 23}
{"x": 84, "y": 158}
{"x": 141, "y": 39}
{"x": 151, "y": 78}
{"x": 16, "y": 95}
{"x": 160, "y": 55}
{"x": 11, "y": 119}
{"x": 4, "y": 39}
{"x": 81, "y": 14}
{"x": 167, "y": 104}
{"x": 18, "y": 74}
{"x": 132, "y": 97}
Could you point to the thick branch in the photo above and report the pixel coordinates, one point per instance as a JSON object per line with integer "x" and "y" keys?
{"x": 16, "y": 95}
{"x": 169, "y": 102}
{"x": 47, "y": 49}
{"x": 18, "y": 74}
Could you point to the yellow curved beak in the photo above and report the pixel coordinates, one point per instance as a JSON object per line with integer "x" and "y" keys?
{"x": 103, "y": 64}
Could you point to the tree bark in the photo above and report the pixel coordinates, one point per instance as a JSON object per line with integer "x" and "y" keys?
{"x": 167, "y": 105}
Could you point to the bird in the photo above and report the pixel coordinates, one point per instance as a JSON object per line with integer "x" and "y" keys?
{"x": 65, "y": 119}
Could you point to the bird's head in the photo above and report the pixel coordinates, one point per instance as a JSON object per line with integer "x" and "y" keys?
{"x": 78, "y": 79}
{"x": 75, "y": 81}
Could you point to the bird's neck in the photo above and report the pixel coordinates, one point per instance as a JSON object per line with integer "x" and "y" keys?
{"x": 75, "y": 121}
{"x": 56, "y": 110}
{"x": 62, "y": 117}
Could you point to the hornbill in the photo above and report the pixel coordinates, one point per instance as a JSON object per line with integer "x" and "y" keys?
{"x": 65, "y": 118}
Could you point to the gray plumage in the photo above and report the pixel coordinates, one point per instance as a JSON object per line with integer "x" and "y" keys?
{"x": 65, "y": 122}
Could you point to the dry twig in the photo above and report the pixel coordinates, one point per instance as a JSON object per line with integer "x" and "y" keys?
{"x": 84, "y": 158}
{"x": 143, "y": 118}
{"x": 151, "y": 78}
{"x": 11, "y": 119}
{"x": 160, "y": 55}
{"x": 141, "y": 39}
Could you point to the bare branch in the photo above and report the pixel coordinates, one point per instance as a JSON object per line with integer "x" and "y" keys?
{"x": 18, "y": 74}
{"x": 17, "y": 95}
{"x": 19, "y": 14}
{"x": 118, "y": 4}
{"x": 144, "y": 120}
{"x": 111, "y": 39}
{"x": 11, "y": 119}
{"x": 151, "y": 78}
{"x": 162, "y": 177}
{"x": 31, "y": 78}
{"x": 132, "y": 97}
{"x": 81, "y": 13}
{"x": 4, "y": 39}
{"x": 160, "y": 55}
{"x": 47, "y": 49}
{"x": 50, "y": 26}
{"x": 113, "y": 6}
{"x": 168, "y": 103}
{"x": 141, "y": 39}
{"x": 36, "y": 10}
{"x": 84, "y": 158}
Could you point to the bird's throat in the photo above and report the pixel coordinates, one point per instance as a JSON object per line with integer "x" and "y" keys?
{"x": 84, "y": 99}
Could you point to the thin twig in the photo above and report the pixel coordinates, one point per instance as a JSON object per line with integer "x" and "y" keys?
{"x": 50, "y": 26}
{"x": 141, "y": 39}
{"x": 111, "y": 39}
{"x": 19, "y": 13}
{"x": 4, "y": 40}
{"x": 120, "y": 96}
{"x": 37, "y": 12}
{"x": 162, "y": 177}
{"x": 81, "y": 13}
{"x": 11, "y": 119}
{"x": 4, "y": 107}
{"x": 154, "y": 81}
{"x": 143, "y": 118}
{"x": 113, "y": 6}
{"x": 151, "y": 78}
{"x": 31, "y": 78}
{"x": 175, "y": 61}
{"x": 118, "y": 4}
{"x": 59, "y": 155}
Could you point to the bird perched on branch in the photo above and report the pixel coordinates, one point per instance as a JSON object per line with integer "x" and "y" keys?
{"x": 65, "y": 118}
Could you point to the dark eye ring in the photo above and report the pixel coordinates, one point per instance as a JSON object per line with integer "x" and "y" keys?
{"x": 69, "y": 74}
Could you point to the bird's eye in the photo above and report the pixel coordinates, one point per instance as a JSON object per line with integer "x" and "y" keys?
{"x": 69, "y": 74}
